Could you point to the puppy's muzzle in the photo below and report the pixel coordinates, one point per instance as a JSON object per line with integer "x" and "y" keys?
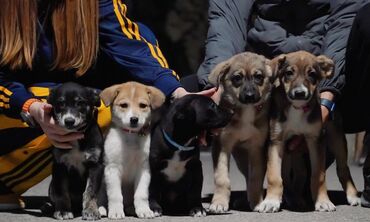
{"x": 134, "y": 121}
{"x": 299, "y": 93}
{"x": 249, "y": 96}
{"x": 69, "y": 122}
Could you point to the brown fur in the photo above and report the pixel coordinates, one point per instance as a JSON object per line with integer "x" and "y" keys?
{"x": 245, "y": 136}
{"x": 296, "y": 116}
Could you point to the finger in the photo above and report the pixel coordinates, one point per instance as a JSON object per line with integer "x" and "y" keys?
{"x": 216, "y": 97}
{"x": 208, "y": 92}
{"x": 66, "y": 138}
{"x": 61, "y": 145}
{"x": 54, "y": 129}
{"x": 47, "y": 107}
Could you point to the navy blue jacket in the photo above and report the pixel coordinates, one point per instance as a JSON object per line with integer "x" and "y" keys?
{"x": 128, "y": 51}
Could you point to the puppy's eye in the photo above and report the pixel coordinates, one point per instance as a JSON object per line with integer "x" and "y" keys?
{"x": 258, "y": 77}
{"x": 81, "y": 103}
{"x": 312, "y": 76}
{"x": 143, "y": 106}
{"x": 123, "y": 105}
{"x": 61, "y": 104}
{"x": 237, "y": 79}
{"x": 289, "y": 73}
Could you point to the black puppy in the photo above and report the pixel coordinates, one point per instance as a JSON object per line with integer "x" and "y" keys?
{"x": 77, "y": 172}
{"x": 177, "y": 178}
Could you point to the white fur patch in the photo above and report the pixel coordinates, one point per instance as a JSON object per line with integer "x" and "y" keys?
{"x": 175, "y": 168}
{"x": 74, "y": 158}
{"x": 297, "y": 124}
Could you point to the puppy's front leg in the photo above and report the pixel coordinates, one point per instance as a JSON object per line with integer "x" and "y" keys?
{"x": 90, "y": 208}
{"x": 194, "y": 192}
{"x": 112, "y": 174}
{"x": 337, "y": 144}
{"x": 256, "y": 175}
{"x": 318, "y": 186}
{"x": 221, "y": 157}
{"x": 274, "y": 181}
{"x": 59, "y": 193}
{"x": 141, "y": 195}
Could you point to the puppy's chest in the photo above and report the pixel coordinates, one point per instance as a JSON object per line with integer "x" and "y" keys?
{"x": 176, "y": 167}
{"x": 297, "y": 123}
{"x": 245, "y": 124}
{"x": 73, "y": 158}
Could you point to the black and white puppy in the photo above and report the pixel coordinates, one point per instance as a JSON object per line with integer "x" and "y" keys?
{"x": 77, "y": 172}
{"x": 177, "y": 177}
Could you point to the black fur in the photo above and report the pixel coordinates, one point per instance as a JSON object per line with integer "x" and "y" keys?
{"x": 186, "y": 118}
{"x": 68, "y": 190}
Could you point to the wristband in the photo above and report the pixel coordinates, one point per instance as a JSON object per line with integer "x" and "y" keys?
{"x": 330, "y": 105}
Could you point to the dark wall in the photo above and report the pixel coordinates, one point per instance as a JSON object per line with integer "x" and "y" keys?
{"x": 180, "y": 27}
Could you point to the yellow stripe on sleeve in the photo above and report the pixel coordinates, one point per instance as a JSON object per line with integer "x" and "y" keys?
{"x": 5, "y": 90}
{"x": 120, "y": 19}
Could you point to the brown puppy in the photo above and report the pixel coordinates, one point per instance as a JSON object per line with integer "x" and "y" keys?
{"x": 296, "y": 111}
{"x": 246, "y": 82}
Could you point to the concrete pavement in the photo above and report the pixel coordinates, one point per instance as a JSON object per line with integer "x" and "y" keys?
{"x": 37, "y": 195}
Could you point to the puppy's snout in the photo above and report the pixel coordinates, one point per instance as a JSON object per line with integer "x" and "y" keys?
{"x": 300, "y": 93}
{"x": 69, "y": 122}
{"x": 249, "y": 96}
{"x": 134, "y": 121}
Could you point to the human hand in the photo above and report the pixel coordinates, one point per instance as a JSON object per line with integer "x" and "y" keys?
{"x": 57, "y": 135}
{"x": 180, "y": 92}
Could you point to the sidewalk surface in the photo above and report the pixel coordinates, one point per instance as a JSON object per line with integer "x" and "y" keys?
{"x": 37, "y": 195}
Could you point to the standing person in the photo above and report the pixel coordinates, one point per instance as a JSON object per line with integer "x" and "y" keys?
{"x": 275, "y": 27}
{"x": 44, "y": 43}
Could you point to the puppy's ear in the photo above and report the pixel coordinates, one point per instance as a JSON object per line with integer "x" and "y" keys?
{"x": 276, "y": 65}
{"x": 94, "y": 95}
{"x": 156, "y": 97}
{"x": 109, "y": 94}
{"x": 51, "y": 97}
{"x": 326, "y": 66}
{"x": 218, "y": 72}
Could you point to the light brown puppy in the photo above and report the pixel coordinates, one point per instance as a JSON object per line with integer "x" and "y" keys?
{"x": 246, "y": 82}
{"x": 127, "y": 174}
{"x": 296, "y": 111}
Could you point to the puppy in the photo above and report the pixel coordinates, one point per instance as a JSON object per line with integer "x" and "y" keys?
{"x": 246, "y": 82}
{"x": 177, "y": 176}
{"x": 296, "y": 111}
{"x": 77, "y": 172}
{"x": 127, "y": 173}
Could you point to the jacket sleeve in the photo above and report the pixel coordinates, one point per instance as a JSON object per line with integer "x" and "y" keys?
{"x": 271, "y": 39}
{"x": 12, "y": 95}
{"x": 227, "y": 33}
{"x": 134, "y": 47}
{"x": 338, "y": 27}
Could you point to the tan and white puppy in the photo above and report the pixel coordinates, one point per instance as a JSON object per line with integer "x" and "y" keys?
{"x": 295, "y": 110}
{"x": 246, "y": 82}
{"x": 127, "y": 173}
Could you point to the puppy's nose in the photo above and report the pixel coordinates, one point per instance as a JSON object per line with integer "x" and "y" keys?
{"x": 69, "y": 122}
{"x": 299, "y": 94}
{"x": 248, "y": 97}
{"x": 134, "y": 120}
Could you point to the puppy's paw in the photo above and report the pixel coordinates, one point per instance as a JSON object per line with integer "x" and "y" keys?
{"x": 63, "y": 215}
{"x": 116, "y": 212}
{"x": 268, "y": 206}
{"x": 219, "y": 207}
{"x": 354, "y": 200}
{"x": 92, "y": 156}
{"x": 324, "y": 206}
{"x": 198, "y": 212}
{"x": 156, "y": 208}
{"x": 144, "y": 212}
{"x": 103, "y": 211}
{"x": 90, "y": 214}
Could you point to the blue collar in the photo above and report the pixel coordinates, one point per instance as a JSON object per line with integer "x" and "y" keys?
{"x": 176, "y": 145}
